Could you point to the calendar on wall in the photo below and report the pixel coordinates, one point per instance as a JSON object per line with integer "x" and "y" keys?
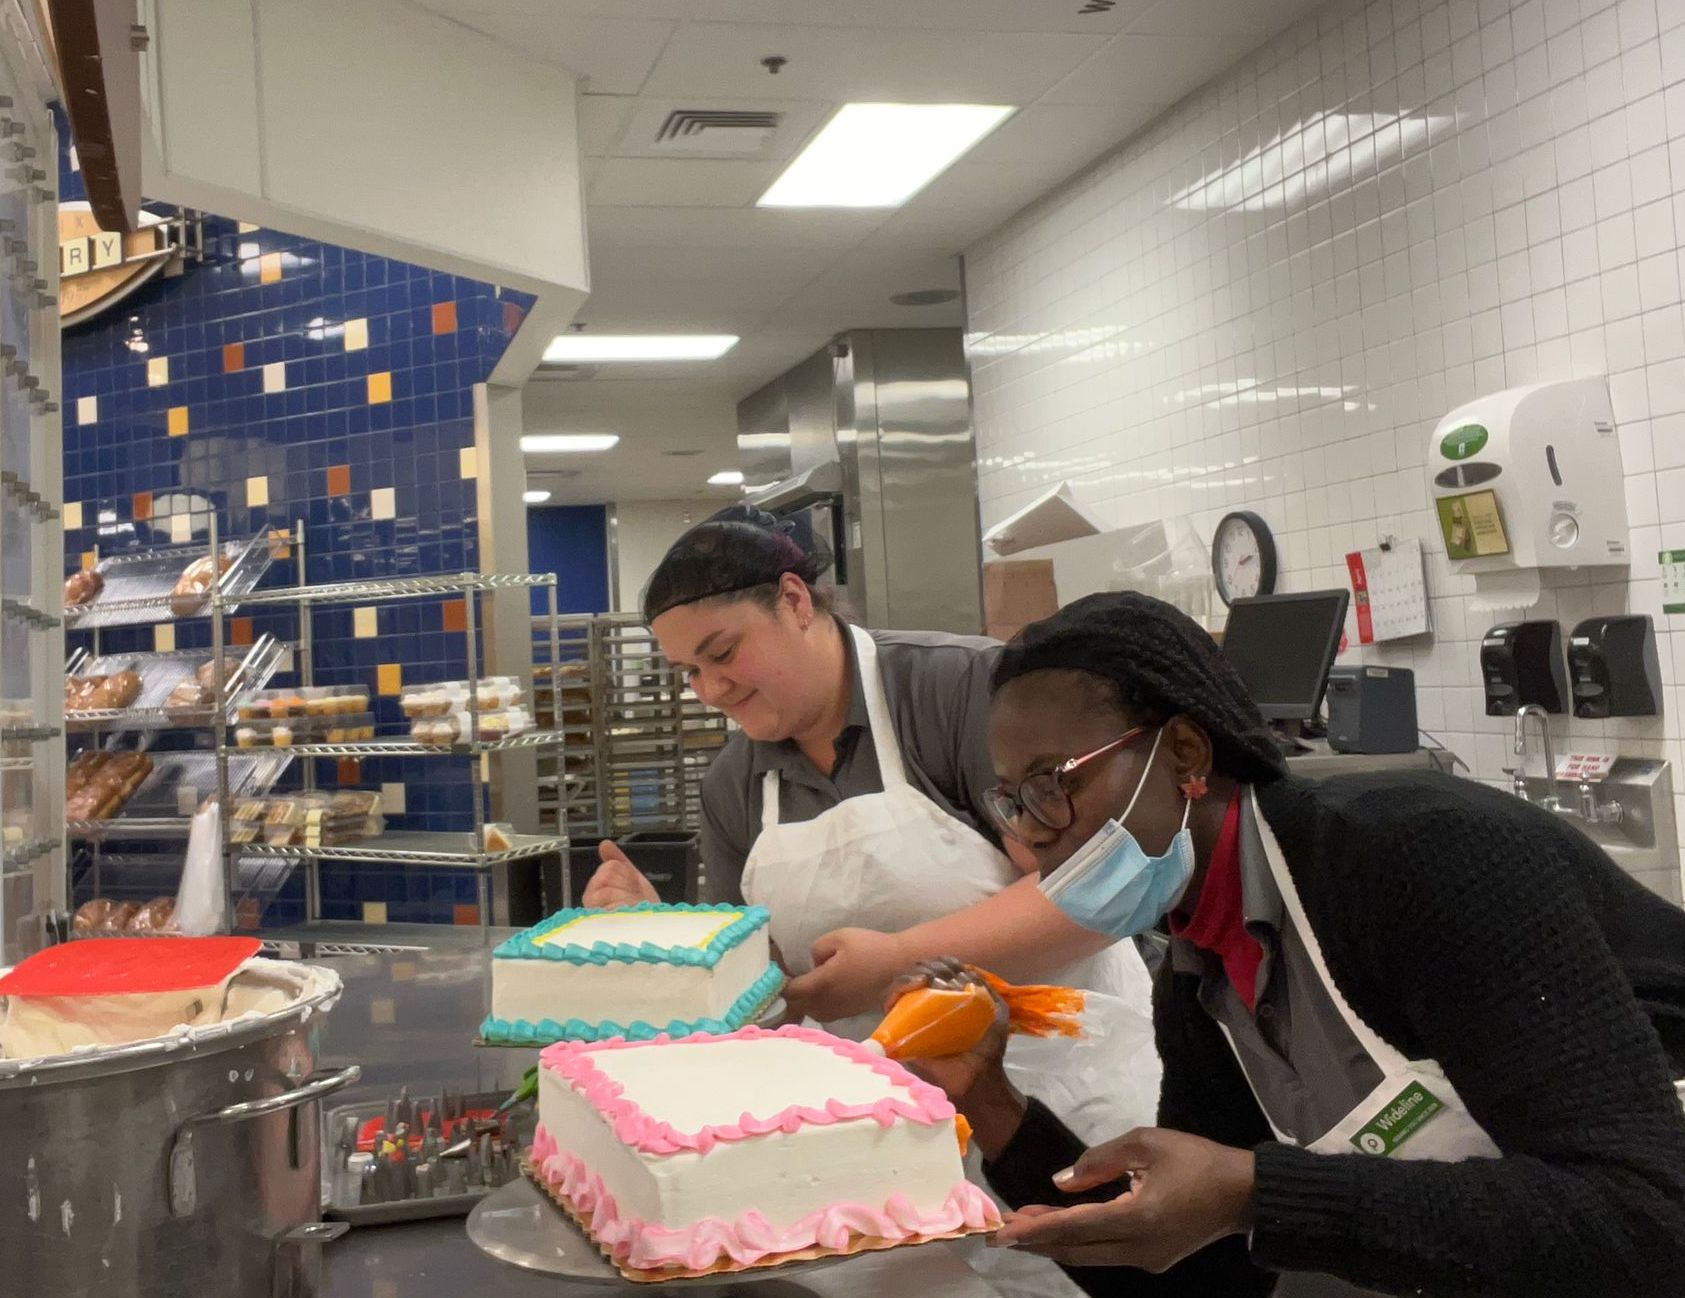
{"x": 1389, "y": 591}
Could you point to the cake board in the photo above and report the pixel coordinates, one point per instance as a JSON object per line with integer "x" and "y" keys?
{"x": 770, "y": 1015}
{"x": 518, "y": 1224}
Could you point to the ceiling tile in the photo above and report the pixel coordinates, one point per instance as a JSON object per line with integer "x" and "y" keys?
{"x": 1137, "y": 71}
{"x": 680, "y": 182}
{"x": 722, "y": 60}
{"x": 810, "y": 230}
{"x": 1221, "y": 17}
{"x": 613, "y": 56}
{"x": 601, "y": 120}
{"x": 946, "y": 15}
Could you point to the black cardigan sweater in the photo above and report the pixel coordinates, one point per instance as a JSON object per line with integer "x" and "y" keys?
{"x": 1466, "y": 926}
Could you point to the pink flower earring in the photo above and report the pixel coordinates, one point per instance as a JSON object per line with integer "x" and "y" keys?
{"x": 1194, "y": 789}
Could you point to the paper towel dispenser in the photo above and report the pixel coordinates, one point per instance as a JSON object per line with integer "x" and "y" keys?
{"x": 1529, "y": 478}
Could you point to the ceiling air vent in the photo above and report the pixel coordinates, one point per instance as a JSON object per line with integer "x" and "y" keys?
{"x": 716, "y": 131}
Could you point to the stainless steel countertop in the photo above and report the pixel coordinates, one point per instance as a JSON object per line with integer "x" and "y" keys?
{"x": 409, "y": 1018}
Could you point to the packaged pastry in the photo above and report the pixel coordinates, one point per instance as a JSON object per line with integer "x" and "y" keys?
{"x": 188, "y": 597}
{"x": 119, "y": 690}
{"x": 156, "y": 916}
{"x": 94, "y": 916}
{"x": 189, "y": 696}
{"x": 281, "y": 736}
{"x": 497, "y": 837}
{"x": 82, "y": 587}
{"x": 206, "y": 675}
{"x": 245, "y": 737}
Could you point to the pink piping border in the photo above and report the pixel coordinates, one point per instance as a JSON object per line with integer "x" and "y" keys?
{"x": 924, "y": 1103}
{"x": 749, "y": 1237}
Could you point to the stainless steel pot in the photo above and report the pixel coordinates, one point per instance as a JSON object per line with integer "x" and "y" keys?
{"x": 181, "y": 1167}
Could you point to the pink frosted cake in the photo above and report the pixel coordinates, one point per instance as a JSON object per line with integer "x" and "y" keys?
{"x": 716, "y": 1153}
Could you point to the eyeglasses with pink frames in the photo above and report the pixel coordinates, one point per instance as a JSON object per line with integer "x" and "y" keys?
{"x": 1042, "y": 794}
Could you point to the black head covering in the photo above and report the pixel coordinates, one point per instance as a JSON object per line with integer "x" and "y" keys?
{"x": 1157, "y": 662}
{"x": 737, "y": 549}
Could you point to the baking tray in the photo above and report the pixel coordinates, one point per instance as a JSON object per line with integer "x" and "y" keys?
{"x": 159, "y": 674}
{"x": 138, "y": 586}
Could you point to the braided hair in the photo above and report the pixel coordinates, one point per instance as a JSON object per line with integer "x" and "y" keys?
{"x": 738, "y": 553}
{"x": 1155, "y": 663}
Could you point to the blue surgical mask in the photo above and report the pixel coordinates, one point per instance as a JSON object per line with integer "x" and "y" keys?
{"x": 1111, "y": 885}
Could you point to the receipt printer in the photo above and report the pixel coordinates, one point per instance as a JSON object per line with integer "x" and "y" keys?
{"x": 1372, "y": 710}
{"x": 1522, "y": 663}
{"x": 1614, "y": 667}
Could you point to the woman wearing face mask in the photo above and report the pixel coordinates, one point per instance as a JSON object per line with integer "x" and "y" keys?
{"x": 1418, "y": 1035}
{"x": 851, "y": 804}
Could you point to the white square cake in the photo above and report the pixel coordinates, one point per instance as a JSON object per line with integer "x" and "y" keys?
{"x": 638, "y": 972}
{"x": 715, "y": 1153}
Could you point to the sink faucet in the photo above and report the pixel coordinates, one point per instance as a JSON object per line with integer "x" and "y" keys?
{"x": 1552, "y": 801}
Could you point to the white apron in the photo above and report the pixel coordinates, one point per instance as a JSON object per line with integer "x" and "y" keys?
{"x": 1413, "y": 1113}
{"x": 888, "y": 861}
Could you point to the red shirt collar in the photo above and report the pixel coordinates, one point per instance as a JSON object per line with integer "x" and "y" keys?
{"x": 1218, "y": 923}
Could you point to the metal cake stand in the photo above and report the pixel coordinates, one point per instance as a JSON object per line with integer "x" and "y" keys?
{"x": 518, "y": 1225}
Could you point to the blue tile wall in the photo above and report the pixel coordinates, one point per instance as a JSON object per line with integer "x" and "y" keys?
{"x": 328, "y": 448}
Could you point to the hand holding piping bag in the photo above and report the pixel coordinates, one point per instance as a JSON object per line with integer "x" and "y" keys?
{"x": 944, "y": 1009}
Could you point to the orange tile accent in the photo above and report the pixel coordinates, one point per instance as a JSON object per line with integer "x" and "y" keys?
{"x": 143, "y": 506}
{"x": 233, "y": 357}
{"x": 465, "y": 914}
{"x": 269, "y": 268}
{"x": 350, "y": 770}
{"x": 178, "y": 421}
{"x": 389, "y": 678}
{"x": 89, "y": 559}
{"x": 240, "y": 631}
{"x": 248, "y": 914}
{"x": 512, "y": 317}
{"x": 380, "y": 387}
{"x": 456, "y": 614}
{"x": 339, "y": 479}
{"x": 444, "y": 317}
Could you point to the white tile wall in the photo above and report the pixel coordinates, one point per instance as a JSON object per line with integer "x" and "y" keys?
{"x": 1269, "y": 297}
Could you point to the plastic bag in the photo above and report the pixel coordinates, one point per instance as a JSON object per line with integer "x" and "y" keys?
{"x": 1100, "y": 1083}
{"x": 202, "y": 898}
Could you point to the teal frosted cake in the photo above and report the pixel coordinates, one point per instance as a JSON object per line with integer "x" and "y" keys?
{"x": 634, "y": 972}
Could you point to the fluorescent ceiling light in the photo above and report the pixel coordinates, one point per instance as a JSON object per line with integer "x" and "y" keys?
{"x": 535, "y": 497}
{"x": 545, "y": 443}
{"x": 727, "y": 478}
{"x": 880, "y": 155}
{"x": 638, "y": 347}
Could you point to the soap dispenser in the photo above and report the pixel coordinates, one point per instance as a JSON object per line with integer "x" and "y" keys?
{"x": 1522, "y": 663}
{"x": 1615, "y": 667}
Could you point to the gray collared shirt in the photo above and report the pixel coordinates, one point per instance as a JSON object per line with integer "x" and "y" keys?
{"x": 1305, "y": 1066}
{"x": 938, "y": 691}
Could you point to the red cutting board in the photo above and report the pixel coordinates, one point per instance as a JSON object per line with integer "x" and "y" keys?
{"x": 129, "y": 966}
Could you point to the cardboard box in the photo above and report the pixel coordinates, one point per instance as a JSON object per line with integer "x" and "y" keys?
{"x": 1017, "y": 592}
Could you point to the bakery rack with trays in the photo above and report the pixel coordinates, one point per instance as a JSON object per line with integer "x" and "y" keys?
{"x": 140, "y": 588}
{"x": 461, "y": 850}
{"x": 160, "y": 675}
{"x": 637, "y": 740}
{"x": 31, "y": 525}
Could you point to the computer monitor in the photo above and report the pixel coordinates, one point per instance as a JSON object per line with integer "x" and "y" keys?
{"x": 1283, "y": 646}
